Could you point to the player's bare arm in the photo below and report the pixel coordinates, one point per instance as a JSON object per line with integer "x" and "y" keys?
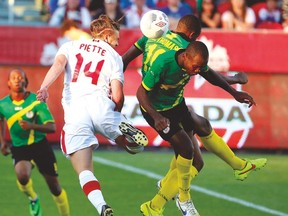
{"x": 117, "y": 94}
{"x": 132, "y": 53}
{"x": 5, "y": 147}
{"x": 49, "y": 127}
{"x": 215, "y": 79}
{"x": 56, "y": 69}
{"x": 161, "y": 122}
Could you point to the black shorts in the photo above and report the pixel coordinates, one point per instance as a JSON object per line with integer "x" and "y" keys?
{"x": 41, "y": 153}
{"x": 179, "y": 116}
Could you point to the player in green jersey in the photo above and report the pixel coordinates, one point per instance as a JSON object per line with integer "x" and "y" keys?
{"x": 189, "y": 29}
{"x": 28, "y": 121}
{"x": 163, "y": 106}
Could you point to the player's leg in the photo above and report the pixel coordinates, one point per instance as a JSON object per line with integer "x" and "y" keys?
{"x": 23, "y": 169}
{"x": 82, "y": 163}
{"x": 45, "y": 160}
{"x": 214, "y": 143}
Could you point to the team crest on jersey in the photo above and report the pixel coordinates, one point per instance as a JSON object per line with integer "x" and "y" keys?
{"x": 30, "y": 114}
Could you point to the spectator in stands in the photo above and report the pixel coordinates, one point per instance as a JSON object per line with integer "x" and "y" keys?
{"x": 125, "y": 4}
{"x": 175, "y": 9}
{"x": 113, "y": 11}
{"x": 285, "y": 15}
{"x": 238, "y": 16}
{"x": 209, "y": 15}
{"x": 72, "y": 10}
{"x": 270, "y": 13}
{"x": 135, "y": 13}
{"x": 94, "y": 6}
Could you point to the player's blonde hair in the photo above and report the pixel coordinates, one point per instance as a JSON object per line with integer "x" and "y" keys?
{"x": 103, "y": 26}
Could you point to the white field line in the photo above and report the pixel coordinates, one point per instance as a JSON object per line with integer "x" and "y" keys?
{"x": 193, "y": 187}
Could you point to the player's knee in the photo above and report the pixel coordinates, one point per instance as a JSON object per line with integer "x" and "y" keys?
{"x": 204, "y": 128}
{"x": 198, "y": 165}
{"x": 23, "y": 179}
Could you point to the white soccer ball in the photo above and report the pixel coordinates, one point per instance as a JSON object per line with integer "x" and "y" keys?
{"x": 154, "y": 24}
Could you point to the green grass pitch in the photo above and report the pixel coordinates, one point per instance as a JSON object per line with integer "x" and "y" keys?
{"x": 129, "y": 180}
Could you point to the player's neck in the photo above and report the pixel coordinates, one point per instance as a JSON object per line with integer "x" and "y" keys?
{"x": 18, "y": 96}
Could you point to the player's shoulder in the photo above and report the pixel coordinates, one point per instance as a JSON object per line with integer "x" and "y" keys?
{"x": 5, "y": 98}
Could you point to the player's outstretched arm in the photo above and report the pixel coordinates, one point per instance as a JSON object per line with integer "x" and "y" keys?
{"x": 238, "y": 78}
{"x": 215, "y": 79}
{"x": 130, "y": 55}
{"x": 55, "y": 70}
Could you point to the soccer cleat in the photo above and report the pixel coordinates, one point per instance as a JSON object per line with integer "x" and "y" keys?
{"x": 187, "y": 208}
{"x": 133, "y": 134}
{"x": 251, "y": 165}
{"x": 35, "y": 208}
{"x": 107, "y": 211}
{"x": 146, "y": 210}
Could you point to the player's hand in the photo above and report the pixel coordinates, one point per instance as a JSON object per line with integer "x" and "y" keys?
{"x": 25, "y": 125}
{"x": 161, "y": 123}
{"x": 5, "y": 149}
{"x": 244, "y": 97}
{"x": 241, "y": 77}
{"x": 42, "y": 94}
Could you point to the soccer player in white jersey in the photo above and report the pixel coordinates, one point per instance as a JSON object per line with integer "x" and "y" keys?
{"x": 92, "y": 100}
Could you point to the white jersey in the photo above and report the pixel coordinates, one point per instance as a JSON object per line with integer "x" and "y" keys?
{"x": 88, "y": 109}
{"x": 92, "y": 65}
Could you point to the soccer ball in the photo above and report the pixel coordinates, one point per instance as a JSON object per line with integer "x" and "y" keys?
{"x": 154, "y": 24}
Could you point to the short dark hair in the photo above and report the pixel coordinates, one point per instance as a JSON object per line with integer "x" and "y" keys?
{"x": 198, "y": 47}
{"x": 191, "y": 23}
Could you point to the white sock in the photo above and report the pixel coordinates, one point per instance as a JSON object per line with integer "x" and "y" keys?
{"x": 93, "y": 191}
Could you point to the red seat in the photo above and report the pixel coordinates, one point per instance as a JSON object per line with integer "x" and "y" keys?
{"x": 223, "y": 7}
{"x": 269, "y": 25}
{"x": 256, "y": 8}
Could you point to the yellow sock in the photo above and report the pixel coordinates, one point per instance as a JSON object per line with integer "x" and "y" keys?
{"x": 62, "y": 203}
{"x": 216, "y": 144}
{"x": 193, "y": 172}
{"x": 172, "y": 167}
{"x": 184, "y": 177}
{"x": 169, "y": 188}
{"x": 27, "y": 189}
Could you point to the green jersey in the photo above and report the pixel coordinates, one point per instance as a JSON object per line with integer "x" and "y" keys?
{"x": 29, "y": 109}
{"x": 153, "y": 48}
{"x": 165, "y": 81}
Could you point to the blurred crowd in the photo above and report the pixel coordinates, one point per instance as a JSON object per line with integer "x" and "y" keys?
{"x": 238, "y": 15}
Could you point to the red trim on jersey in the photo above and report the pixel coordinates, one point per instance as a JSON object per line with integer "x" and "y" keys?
{"x": 63, "y": 146}
{"x": 90, "y": 186}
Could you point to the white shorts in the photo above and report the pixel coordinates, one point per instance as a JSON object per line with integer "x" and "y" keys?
{"x": 86, "y": 117}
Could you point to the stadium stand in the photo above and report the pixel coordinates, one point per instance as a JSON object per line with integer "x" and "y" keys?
{"x": 22, "y": 12}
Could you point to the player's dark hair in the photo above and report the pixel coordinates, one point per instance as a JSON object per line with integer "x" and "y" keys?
{"x": 198, "y": 47}
{"x": 191, "y": 23}
{"x": 23, "y": 72}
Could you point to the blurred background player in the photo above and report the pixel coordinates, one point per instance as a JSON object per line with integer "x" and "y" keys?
{"x": 92, "y": 101}
{"x": 29, "y": 121}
